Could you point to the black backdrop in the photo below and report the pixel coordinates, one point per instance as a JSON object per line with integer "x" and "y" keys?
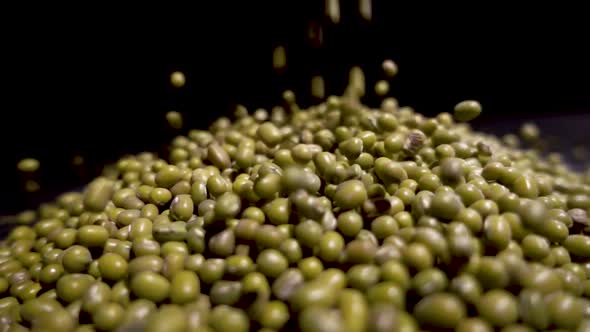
{"x": 97, "y": 85}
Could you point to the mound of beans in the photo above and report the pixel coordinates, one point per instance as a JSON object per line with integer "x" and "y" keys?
{"x": 336, "y": 218}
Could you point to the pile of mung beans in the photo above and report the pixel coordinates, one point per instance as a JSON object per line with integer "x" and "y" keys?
{"x": 338, "y": 218}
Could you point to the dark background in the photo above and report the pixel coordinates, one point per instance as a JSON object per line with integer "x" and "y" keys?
{"x": 98, "y": 85}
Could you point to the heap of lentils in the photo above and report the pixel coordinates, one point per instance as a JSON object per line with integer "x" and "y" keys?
{"x": 338, "y": 218}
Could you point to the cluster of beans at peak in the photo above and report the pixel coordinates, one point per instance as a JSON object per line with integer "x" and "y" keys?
{"x": 335, "y": 218}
